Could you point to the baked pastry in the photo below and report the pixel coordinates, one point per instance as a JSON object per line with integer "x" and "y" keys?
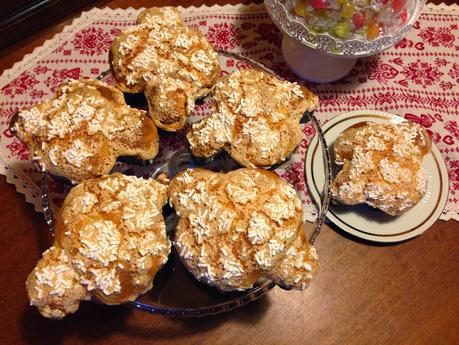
{"x": 256, "y": 119}
{"x": 110, "y": 243}
{"x": 381, "y": 166}
{"x": 171, "y": 63}
{"x": 239, "y": 227}
{"x": 54, "y": 286}
{"x": 80, "y": 132}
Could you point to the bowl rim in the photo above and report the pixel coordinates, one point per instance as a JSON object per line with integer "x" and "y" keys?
{"x": 291, "y": 26}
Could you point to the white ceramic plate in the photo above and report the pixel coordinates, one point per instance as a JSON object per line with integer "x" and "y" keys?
{"x": 364, "y": 221}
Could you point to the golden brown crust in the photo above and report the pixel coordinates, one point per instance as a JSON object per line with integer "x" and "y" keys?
{"x": 235, "y": 228}
{"x": 87, "y": 124}
{"x": 166, "y": 15}
{"x": 256, "y": 119}
{"x": 381, "y": 166}
{"x": 54, "y": 286}
{"x": 299, "y": 265}
{"x": 112, "y": 232}
{"x": 172, "y": 63}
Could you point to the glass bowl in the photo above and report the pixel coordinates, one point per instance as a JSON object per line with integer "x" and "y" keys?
{"x": 175, "y": 291}
{"x": 321, "y": 57}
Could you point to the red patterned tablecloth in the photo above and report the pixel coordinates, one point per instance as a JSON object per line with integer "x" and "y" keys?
{"x": 417, "y": 79}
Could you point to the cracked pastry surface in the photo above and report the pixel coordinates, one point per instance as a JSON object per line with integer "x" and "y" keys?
{"x": 80, "y": 132}
{"x": 110, "y": 243}
{"x": 171, "y": 63}
{"x": 381, "y": 166}
{"x": 239, "y": 227}
{"x": 54, "y": 286}
{"x": 255, "y": 118}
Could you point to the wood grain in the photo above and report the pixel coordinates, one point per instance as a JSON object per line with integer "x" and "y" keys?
{"x": 406, "y": 293}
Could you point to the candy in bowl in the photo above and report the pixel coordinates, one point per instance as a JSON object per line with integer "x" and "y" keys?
{"x": 322, "y": 39}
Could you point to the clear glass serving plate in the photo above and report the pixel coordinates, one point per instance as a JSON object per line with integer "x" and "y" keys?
{"x": 175, "y": 291}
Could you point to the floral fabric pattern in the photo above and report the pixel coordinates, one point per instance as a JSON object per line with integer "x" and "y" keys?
{"x": 418, "y": 79}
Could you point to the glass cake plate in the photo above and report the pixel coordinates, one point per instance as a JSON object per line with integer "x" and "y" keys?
{"x": 175, "y": 291}
{"x": 293, "y": 26}
{"x": 322, "y": 57}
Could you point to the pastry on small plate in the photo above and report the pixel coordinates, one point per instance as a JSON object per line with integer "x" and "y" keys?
{"x": 171, "y": 63}
{"x": 110, "y": 243}
{"x": 381, "y": 165}
{"x": 256, "y": 119}
{"x": 83, "y": 129}
{"x": 237, "y": 228}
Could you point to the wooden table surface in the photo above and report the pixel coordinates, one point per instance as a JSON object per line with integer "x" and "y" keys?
{"x": 406, "y": 293}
